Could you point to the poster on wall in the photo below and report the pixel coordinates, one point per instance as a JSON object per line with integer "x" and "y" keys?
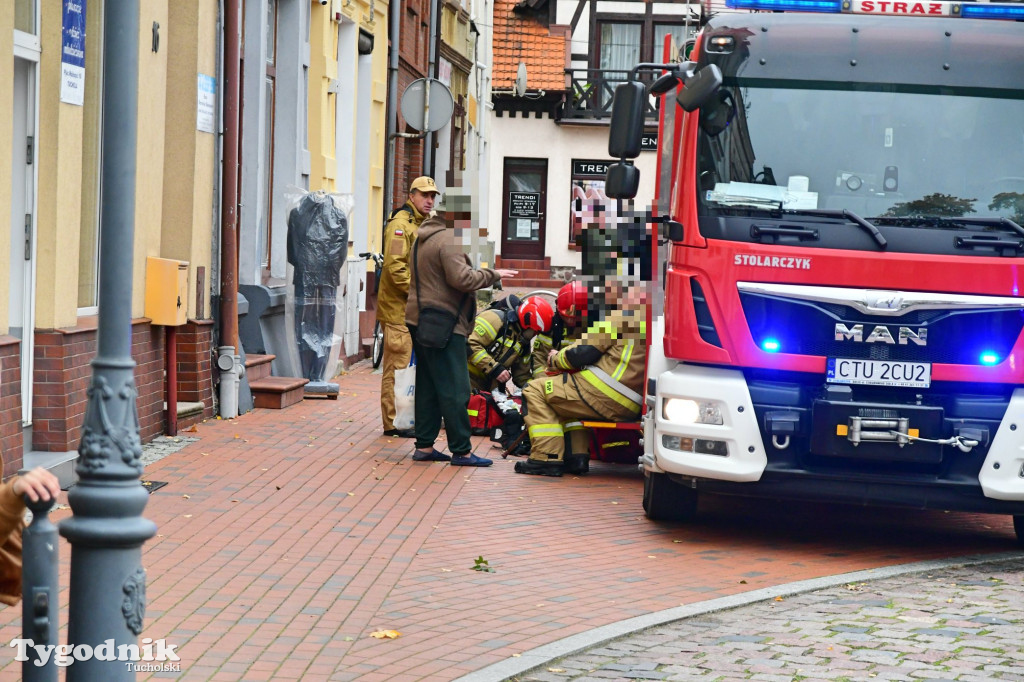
{"x": 587, "y": 195}
{"x": 205, "y": 101}
{"x": 72, "y": 54}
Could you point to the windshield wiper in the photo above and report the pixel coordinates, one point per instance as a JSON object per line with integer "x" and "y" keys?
{"x": 1005, "y": 223}
{"x": 843, "y": 213}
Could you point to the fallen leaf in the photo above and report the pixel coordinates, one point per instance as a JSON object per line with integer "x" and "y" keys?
{"x": 651, "y": 556}
{"x": 186, "y": 497}
{"x": 778, "y": 599}
{"x": 350, "y": 639}
{"x": 614, "y": 502}
{"x": 677, "y": 541}
{"x": 237, "y": 436}
{"x": 188, "y": 516}
{"x": 263, "y": 469}
{"x": 743, "y": 582}
{"x": 516, "y": 655}
{"x": 351, "y": 494}
{"x": 234, "y": 500}
{"x": 556, "y": 670}
{"x": 446, "y": 570}
{"x": 386, "y": 634}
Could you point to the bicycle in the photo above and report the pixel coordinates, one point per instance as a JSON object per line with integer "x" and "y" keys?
{"x": 377, "y": 351}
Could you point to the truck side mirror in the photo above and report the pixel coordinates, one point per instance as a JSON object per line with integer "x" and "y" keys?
{"x": 627, "y": 124}
{"x": 622, "y": 181}
{"x": 699, "y": 87}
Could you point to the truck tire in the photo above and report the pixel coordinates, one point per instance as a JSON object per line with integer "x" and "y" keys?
{"x": 666, "y": 500}
{"x": 1018, "y": 528}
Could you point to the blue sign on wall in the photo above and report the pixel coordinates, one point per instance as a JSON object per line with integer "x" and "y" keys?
{"x": 72, "y": 53}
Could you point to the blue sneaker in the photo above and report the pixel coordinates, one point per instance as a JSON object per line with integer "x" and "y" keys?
{"x": 432, "y": 456}
{"x": 470, "y": 461}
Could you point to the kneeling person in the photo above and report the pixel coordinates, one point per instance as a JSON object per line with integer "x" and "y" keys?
{"x": 499, "y": 347}
{"x": 601, "y": 378}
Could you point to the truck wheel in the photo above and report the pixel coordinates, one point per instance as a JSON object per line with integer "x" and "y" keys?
{"x": 666, "y": 500}
{"x": 1018, "y": 528}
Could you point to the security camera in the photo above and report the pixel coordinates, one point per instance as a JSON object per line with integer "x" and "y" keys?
{"x": 324, "y": 2}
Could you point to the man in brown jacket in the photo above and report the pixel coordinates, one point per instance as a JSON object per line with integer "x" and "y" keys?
{"x": 399, "y": 236}
{"x": 38, "y": 484}
{"x": 443, "y": 277}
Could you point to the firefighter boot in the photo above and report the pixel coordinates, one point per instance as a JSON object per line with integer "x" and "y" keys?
{"x": 577, "y": 464}
{"x": 539, "y": 467}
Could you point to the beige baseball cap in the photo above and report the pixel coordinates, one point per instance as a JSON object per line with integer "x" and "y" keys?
{"x": 424, "y": 184}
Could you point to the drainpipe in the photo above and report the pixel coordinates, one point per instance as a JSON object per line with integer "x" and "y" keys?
{"x": 428, "y": 146}
{"x": 394, "y": 19}
{"x": 227, "y": 357}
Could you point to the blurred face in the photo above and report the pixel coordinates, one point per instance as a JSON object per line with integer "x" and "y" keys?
{"x": 423, "y": 201}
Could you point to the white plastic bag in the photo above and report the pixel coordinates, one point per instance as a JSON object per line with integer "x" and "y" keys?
{"x": 405, "y": 397}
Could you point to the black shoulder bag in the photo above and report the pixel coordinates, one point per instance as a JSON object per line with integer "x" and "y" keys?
{"x": 436, "y": 325}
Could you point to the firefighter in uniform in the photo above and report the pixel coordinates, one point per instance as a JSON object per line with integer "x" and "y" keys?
{"x": 601, "y": 378}
{"x": 394, "y": 291}
{"x": 569, "y": 323}
{"x": 499, "y": 347}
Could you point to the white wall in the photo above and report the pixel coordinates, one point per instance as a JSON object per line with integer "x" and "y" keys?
{"x": 543, "y": 139}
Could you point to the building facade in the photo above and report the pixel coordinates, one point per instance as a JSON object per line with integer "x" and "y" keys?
{"x": 50, "y": 143}
{"x": 556, "y": 64}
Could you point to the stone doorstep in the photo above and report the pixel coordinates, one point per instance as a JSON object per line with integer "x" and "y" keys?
{"x": 277, "y": 392}
{"x": 61, "y": 464}
{"x": 258, "y": 366}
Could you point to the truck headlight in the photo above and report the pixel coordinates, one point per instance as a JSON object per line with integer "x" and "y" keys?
{"x": 686, "y": 411}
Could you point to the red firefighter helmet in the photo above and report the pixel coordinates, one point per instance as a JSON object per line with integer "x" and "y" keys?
{"x": 572, "y": 301}
{"x": 536, "y": 313}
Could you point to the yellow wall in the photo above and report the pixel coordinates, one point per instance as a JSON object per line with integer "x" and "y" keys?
{"x": 189, "y": 154}
{"x": 149, "y": 170}
{"x": 59, "y": 183}
{"x": 378, "y": 116}
{"x": 6, "y": 135}
{"x": 323, "y": 67}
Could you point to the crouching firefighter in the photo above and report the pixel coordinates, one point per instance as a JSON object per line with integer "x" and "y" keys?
{"x": 600, "y": 378}
{"x": 566, "y": 329}
{"x": 499, "y": 350}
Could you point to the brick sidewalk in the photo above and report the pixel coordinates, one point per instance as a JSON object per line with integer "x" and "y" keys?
{"x": 287, "y": 537}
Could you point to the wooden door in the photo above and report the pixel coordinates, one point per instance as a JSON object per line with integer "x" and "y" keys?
{"x": 524, "y": 205}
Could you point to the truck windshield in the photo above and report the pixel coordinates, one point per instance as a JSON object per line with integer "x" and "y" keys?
{"x": 896, "y": 158}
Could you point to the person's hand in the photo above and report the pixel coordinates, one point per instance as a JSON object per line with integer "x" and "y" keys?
{"x": 38, "y": 484}
{"x": 505, "y": 274}
{"x": 504, "y": 377}
{"x": 551, "y": 357}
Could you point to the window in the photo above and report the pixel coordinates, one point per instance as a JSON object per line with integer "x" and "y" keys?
{"x": 25, "y": 16}
{"x": 89, "y": 228}
{"x": 268, "y": 136}
{"x": 625, "y": 40}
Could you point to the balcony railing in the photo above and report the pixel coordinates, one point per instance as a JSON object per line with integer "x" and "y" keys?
{"x": 590, "y": 91}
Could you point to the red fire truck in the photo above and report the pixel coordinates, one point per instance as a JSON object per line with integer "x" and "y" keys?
{"x": 840, "y": 206}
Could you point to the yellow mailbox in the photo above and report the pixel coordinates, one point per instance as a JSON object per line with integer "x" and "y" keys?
{"x": 167, "y": 291}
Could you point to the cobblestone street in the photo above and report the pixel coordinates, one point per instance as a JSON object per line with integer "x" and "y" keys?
{"x": 952, "y": 624}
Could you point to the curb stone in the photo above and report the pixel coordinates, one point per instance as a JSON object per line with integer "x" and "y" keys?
{"x": 543, "y": 655}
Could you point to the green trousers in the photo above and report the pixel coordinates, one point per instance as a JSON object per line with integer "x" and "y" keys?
{"x": 442, "y": 390}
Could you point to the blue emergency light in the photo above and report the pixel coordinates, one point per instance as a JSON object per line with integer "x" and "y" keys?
{"x": 833, "y": 6}
{"x": 970, "y": 10}
{"x": 771, "y": 345}
{"x": 989, "y": 358}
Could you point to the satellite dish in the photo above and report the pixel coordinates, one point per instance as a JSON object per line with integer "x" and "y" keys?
{"x": 520, "y": 86}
